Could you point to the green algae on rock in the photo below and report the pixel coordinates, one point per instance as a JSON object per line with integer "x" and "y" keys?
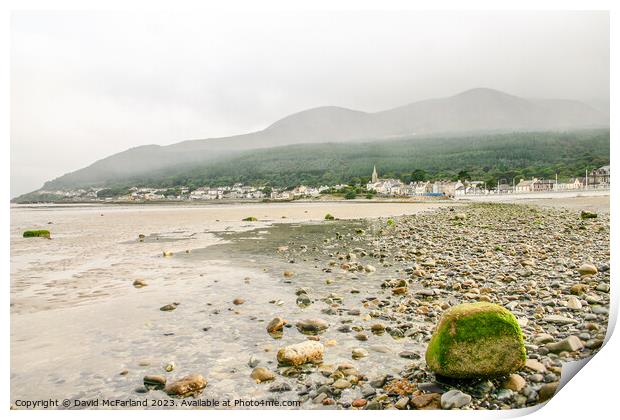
{"x": 37, "y": 234}
{"x": 250, "y": 219}
{"x": 476, "y": 340}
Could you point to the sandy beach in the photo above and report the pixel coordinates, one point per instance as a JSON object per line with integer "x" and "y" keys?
{"x": 80, "y": 329}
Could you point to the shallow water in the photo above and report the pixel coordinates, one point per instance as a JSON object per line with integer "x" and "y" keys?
{"x": 77, "y": 322}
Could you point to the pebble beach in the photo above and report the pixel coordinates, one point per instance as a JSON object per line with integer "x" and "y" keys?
{"x": 219, "y": 315}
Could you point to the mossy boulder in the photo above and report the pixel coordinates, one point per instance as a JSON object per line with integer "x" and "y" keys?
{"x": 588, "y": 215}
{"x": 250, "y": 219}
{"x": 329, "y": 217}
{"x": 474, "y": 340}
{"x": 37, "y": 234}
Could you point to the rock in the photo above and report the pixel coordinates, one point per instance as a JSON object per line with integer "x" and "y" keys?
{"x": 168, "y": 307}
{"x": 276, "y": 325}
{"x": 543, "y": 338}
{"x": 187, "y": 386}
{"x": 358, "y": 353}
{"x": 341, "y": 384}
{"x": 167, "y": 253}
{"x": 588, "y": 215}
{"x": 409, "y": 355}
{"x": 515, "y": 382}
{"x": 600, "y": 310}
{"x": 280, "y": 387}
{"x": 261, "y": 374}
{"x": 312, "y": 326}
{"x": 476, "y": 340}
{"x": 169, "y": 366}
{"x": 300, "y": 353}
{"x": 369, "y": 268}
{"x": 573, "y": 303}
{"x": 460, "y": 216}
{"x": 239, "y": 301}
{"x": 319, "y": 398}
{"x": 399, "y": 290}
{"x": 535, "y": 365}
{"x": 579, "y": 289}
{"x": 587, "y": 269}
{"x": 288, "y": 274}
{"x": 559, "y": 319}
{"x": 329, "y": 217}
{"x": 569, "y": 344}
{"x": 249, "y": 219}
{"x": 547, "y": 391}
{"x": 154, "y": 381}
{"x": 426, "y": 401}
{"x": 138, "y": 283}
{"x": 358, "y": 403}
{"x": 377, "y": 328}
{"x": 402, "y": 403}
{"x": 454, "y": 399}
{"x": 37, "y": 234}
{"x": 253, "y": 362}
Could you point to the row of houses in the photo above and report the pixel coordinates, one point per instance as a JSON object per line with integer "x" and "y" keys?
{"x": 597, "y": 178}
{"x": 237, "y": 191}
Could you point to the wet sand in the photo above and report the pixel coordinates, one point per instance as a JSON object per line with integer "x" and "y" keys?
{"x": 77, "y": 322}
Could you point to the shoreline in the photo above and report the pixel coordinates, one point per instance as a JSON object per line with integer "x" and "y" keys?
{"x": 234, "y": 259}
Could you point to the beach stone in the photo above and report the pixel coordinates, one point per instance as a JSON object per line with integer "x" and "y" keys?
{"x": 139, "y": 283}
{"x": 569, "y": 344}
{"x": 261, "y": 374}
{"x": 454, "y": 399}
{"x": 369, "y": 268}
{"x": 543, "y": 338}
{"x": 547, "y": 391}
{"x": 573, "y": 303}
{"x": 312, "y": 326}
{"x": 579, "y": 289}
{"x": 430, "y": 401}
{"x": 168, "y": 307}
{"x": 559, "y": 319}
{"x": 515, "y": 382}
{"x": 588, "y": 215}
{"x": 154, "y": 381}
{"x": 186, "y": 386}
{"x": 280, "y": 387}
{"x": 288, "y": 274}
{"x": 402, "y": 403}
{"x": 238, "y": 301}
{"x": 587, "y": 269}
{"x": 358, "y": 353}
{"x": 300, "y": 353}
{"x": 358, "y": 403}
{"x": 409, "y": 355}
{"x": 276, "y": 325}
{"x": 535, "y": 365}
{"x": 341, "y": 384}
{"x": 476, "y": 340}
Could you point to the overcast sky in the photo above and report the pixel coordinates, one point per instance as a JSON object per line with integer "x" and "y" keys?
{"x": 87, "y": 85}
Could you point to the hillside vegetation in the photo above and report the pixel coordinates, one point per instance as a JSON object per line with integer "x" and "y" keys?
{"x": 487, "y": 158}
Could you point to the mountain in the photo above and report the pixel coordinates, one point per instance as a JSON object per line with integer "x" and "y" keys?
{"x": 472, "y": 112}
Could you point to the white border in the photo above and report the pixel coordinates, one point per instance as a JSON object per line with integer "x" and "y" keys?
{"x": 591, "y": 394}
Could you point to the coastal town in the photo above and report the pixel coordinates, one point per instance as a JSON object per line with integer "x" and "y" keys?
{"x": 596, "y": 179}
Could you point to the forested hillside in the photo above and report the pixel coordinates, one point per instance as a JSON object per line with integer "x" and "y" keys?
{"x": 487, "y": 158}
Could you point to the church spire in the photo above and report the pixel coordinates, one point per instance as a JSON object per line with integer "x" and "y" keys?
{"x": 374, "y": 177}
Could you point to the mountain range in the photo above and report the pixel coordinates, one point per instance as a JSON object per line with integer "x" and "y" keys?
{"x": 475, "y": 111}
